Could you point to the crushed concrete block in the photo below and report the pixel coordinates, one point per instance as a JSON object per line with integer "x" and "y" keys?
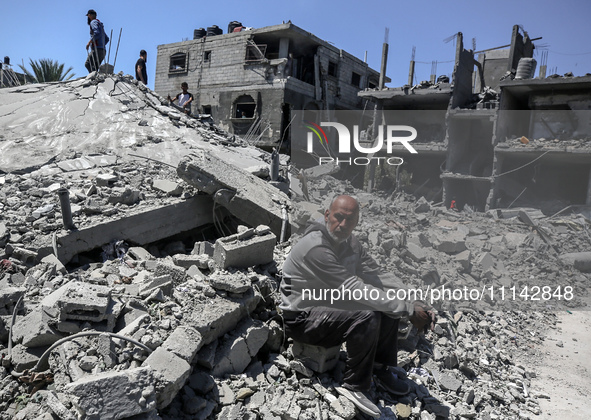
{"x": 168, "y": 187}
{"x": 104, "y": 180}
{"x": 415, "y": 252}
{"x": 25, "y": 357}
{"x": 196, "y": 273}
{"x": 203, "y": 247}
{"x": 114, "y": 395}
{"x": 187, "y": 261}
{"x": 422, "y": 206}
{"x": 247, "y": 197}
{"x": 579, "y": 260}
{"x": 514, "y": 240}
{"x": 206, "y": 357}
{"x": 343, "y": 407}
{"x": 201, "y": 382}
{"x": 135, "y": 325}
{"x": 52, "y": 259}
{"x": 231, "y": 252}
{"x": 33, "y": 331}
{"x": 285, "y": 405}
{"x": 185, "y": 342}
{"x": 256, "y": 337}
{"x": 450, "y": 242}
{"x": 139, "y": 253}
{"x": 56, "y": 406}
{"x": 125, "y": 196}
{"x": 8, "y": 298}
{"x": 319, "y": 359}
{"x": 106, "y": 348}
{"x": 163, "y": 283}
{"x": 464, "y": 258}
{"x": 231, "y": 282}
{"x": 486, "y": 261}
{"x": 172, "y": 371}
{"x": 178, "y": 274}
{"x": 227, "y": 396}
{"x": 449, "y": 382}
{"x": 232, "y": 358}
{"x": 78, "y": 301}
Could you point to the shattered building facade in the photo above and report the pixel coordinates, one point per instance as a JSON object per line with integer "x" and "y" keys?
{"x": 251, "y": 80}
{"x": 500, "y": 137}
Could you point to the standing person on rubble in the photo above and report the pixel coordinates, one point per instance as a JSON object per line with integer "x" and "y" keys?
{"x": 329, "y": 258}
{"x": 97, "y": 43}
{"x": 141, "y": 73}
{"x": 185, "y": 99}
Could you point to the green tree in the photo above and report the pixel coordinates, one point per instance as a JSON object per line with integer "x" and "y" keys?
{"x": 46, "y": 70}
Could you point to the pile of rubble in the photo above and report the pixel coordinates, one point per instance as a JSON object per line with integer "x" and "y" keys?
{"x": 188, "y": 328}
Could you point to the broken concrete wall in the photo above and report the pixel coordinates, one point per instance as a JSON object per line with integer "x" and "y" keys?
{"x": 494, "y": 65}
{"x": 247, "y": 197}
{"x": 521, "y": 47}
{"x": 462, "y": 74}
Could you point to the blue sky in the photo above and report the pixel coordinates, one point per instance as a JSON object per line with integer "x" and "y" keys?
{"x": 58, "y": 30}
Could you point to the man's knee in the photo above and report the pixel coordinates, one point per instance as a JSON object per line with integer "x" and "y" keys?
{"x": 368, "y": 320}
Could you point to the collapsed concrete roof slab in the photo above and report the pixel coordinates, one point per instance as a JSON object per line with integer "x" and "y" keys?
{"x": 247, "y": 197}
{"x": 109, "y": 115}
{"x": 140, "y": 228}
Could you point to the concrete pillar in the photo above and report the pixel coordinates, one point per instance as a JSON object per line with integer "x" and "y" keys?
{"x": 411, "y": 72}
{"x": 384, "y": 64}
{"x": 317, "y": 85}
{"x": 283, "y": 47}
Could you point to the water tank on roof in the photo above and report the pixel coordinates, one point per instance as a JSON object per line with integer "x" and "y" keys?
{"x": 232, "y": 25}
{"x": 214, "y": 30}
{"x": 526, "y": 68}
{"x": 7, "y": 60}
{"x": 199, "y": 33}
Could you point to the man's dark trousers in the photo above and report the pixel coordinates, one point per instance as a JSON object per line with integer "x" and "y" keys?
{"x": 369, "y": 336}
{"x": 91, "y": 61}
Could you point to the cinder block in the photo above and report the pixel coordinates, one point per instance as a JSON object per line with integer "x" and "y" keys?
{"x": 185, "y": 342}
{"x": 231, "y": 252}
{"x": 172, "y": 371}
{"x": 79, "y": 301}
{"x": 122, "y": 394}
{"x": 319, "y": 359}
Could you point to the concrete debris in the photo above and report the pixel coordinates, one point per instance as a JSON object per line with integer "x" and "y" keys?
{"x": 243, "y": 194}
{"x": 190, "y": 291}
{"x": 245, "y": 249}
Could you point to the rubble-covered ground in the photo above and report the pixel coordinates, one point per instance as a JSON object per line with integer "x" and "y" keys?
{"x": 173, "y": 329}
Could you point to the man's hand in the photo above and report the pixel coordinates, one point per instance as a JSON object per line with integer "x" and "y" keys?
{"x": 423, "y": 317}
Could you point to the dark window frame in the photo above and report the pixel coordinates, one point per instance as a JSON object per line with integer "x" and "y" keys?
{"x": 356, "y": 79}
{"x": 333, "y": 68}
{"x": 179, "y": 57}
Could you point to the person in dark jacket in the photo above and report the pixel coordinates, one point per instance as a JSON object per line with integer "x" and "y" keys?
{"x": 329, "y": 258}
{"x": 141, "y": 73}
{"x": 97, "y": 43}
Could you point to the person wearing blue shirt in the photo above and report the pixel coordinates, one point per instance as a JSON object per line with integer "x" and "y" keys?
{"x": 98, "y": 40}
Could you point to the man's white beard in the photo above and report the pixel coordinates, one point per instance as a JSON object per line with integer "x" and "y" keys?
{"x": 333, "y": 236}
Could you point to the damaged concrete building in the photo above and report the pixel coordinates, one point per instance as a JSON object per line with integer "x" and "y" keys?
{"x": 496, "y": 136}
{"x": 251, "y": 80}
{"x": 157, "y": 299}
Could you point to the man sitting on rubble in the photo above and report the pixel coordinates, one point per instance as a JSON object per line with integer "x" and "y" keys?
{"x": 329, "y": 258}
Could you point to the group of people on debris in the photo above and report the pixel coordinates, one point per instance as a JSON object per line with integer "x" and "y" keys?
{"x": 96, "y": 48}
